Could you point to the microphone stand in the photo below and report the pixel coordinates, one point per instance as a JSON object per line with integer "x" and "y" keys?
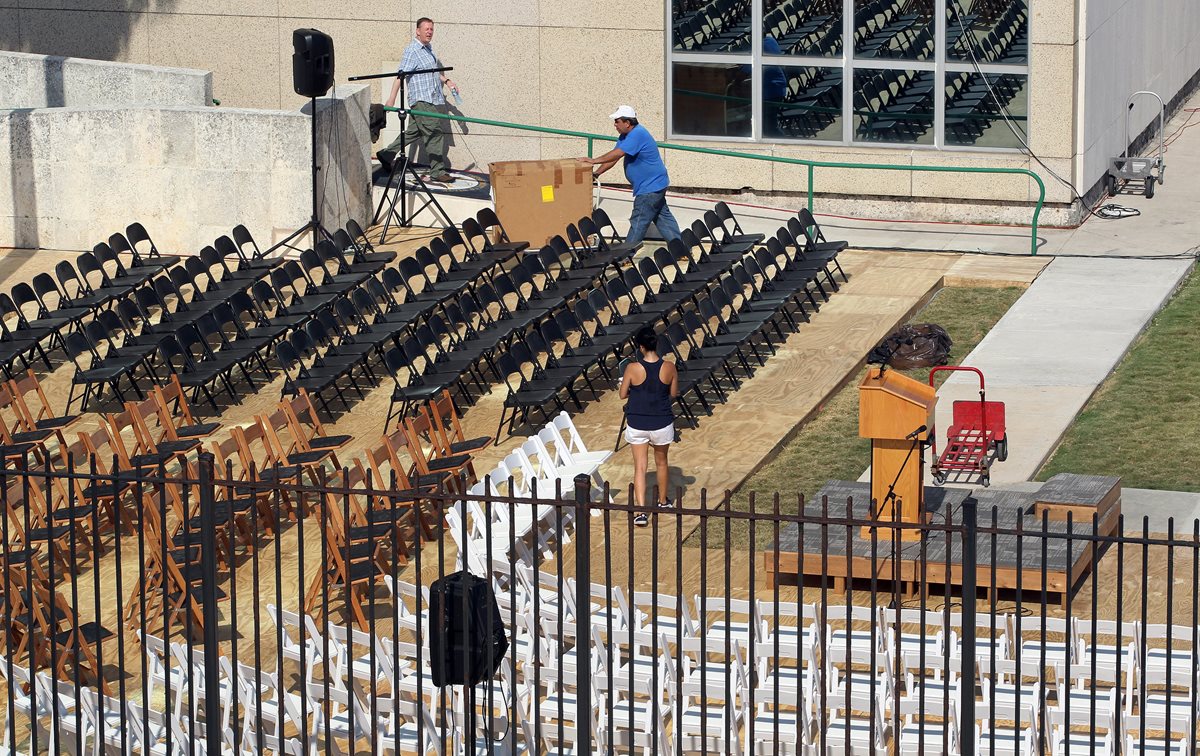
{"x": 891, "y": 492}
{"x": 402, "y": 165}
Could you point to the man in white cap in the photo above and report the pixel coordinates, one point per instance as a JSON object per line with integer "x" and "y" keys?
{"x": 646, "y": 173}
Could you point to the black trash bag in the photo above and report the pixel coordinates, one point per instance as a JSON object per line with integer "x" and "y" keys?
{"x": 376, "y": 120}
{"x": 913, "y": 346}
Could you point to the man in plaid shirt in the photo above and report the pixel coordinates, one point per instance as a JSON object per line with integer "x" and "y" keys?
{"x": 424, "y": 93}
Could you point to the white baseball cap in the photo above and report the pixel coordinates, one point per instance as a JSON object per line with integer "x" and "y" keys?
{"x": 624, "y": 111}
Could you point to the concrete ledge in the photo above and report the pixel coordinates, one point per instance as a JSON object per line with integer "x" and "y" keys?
{"x": 52, "y": 81}
{"x": 189, "y": 172}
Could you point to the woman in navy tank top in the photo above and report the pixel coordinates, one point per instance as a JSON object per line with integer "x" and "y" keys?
{"x": 649, "y": 384}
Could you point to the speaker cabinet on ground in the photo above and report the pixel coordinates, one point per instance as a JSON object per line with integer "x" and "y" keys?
{"x": 467, "y": 641}
{"x": 312, "y": 62}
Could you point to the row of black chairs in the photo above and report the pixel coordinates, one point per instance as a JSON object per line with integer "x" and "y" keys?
{"x": 690, "y": 282}
{"x": 190, "y": 301}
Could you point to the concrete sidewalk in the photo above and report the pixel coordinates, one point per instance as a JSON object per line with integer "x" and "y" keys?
{"x": 1053, "y": 349}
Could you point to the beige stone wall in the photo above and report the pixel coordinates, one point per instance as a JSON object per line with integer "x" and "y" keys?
{"x": 560, "y": 63}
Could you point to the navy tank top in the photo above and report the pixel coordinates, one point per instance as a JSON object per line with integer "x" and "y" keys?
{"x": 649, "y": 405}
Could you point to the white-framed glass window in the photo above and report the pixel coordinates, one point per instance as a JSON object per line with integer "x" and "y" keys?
{"x": 933, "y": 73}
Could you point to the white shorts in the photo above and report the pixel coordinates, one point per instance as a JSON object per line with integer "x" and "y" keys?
{"x": 660, "y": 437}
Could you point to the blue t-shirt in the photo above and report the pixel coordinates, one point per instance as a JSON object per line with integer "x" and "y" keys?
{"x": 643, "y": 165}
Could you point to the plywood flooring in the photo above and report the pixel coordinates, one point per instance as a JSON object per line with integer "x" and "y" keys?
{"x": 883, "y": 290}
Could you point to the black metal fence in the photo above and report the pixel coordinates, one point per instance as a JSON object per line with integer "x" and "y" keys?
{"x": 291, "y": 612}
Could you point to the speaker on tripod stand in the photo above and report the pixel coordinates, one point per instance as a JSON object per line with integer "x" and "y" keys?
{"x": 312, "y": 77}
{"x": 312, "y": 62}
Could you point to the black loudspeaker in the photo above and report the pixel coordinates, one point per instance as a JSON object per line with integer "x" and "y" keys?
{"x": 312, "y": 62}
{"x": 467, "y": 641}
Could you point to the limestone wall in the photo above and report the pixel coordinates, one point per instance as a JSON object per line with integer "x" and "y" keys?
{"x": 71, "y": 175}
{"x": 52, "y": 81}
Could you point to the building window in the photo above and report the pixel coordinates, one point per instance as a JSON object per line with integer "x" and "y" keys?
{"x": 938, "y": 73}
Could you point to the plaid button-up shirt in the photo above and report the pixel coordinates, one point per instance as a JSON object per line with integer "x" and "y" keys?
{"x": 422, "y": 87}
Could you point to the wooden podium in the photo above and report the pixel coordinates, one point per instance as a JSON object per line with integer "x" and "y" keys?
{"x": 891, "y": 407}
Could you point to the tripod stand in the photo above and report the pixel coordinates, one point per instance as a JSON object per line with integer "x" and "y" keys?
{"x": 314, "y": 222}
{"x": 402, "y": 167}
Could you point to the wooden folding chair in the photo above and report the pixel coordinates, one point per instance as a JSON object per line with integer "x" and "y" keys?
{"x": 178, "y": 416}
{"x": 355, "y": 560}
{"x": 446, "y": 423}
{"x": 167, "y": 591}
{"x": 28, "y": 388}
{"x": 392, "y": 476}
{"x": 154, "y": 435}
{"x": 116, "y": 483}
{"x": 309, "y": 431}
{"x": 422, "y": 448}
{"x": 278, "y": 423}
{"x": 16, "y": 443}
{"x": 60, "y": 520}
{"x": 385, "y": 508}
{"x": 74, "y": 642}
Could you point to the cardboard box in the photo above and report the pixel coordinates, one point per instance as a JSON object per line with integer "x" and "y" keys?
{"x": 536, "y": 199}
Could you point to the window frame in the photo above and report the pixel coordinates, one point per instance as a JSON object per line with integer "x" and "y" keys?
{"x": 940, "y": 65}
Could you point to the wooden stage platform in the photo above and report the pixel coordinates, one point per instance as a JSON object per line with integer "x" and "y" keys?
{"x": 1023, "y": 540}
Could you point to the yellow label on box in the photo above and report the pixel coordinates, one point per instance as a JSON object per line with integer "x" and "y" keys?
{"x": 547, "y": 193}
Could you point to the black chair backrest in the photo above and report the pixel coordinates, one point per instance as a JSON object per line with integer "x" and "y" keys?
{"x": 441, "y": 252}
{"x": 288, "y": 358}
{"x": 119, "y": 244}
{"x": 725, "y": 215}
{"x": 364, "y": 303}
{"x": 552, "y": 333}
{"x": 97, "y": 334}
{"x": 454, "y": 239}
{"x": 23, "y": 294}
{"x": 66, "y": 274}
{"x": 585, "y": 312}
{"x": 715, "y": 229}
{"x": 309, "y": 264}
{"x": 488, "y": 219}
{"x": 804, "y": 229}
{"x": 356, "y": 231}
{"x": 225, "y": 247}
{"x": 343, "y": 242}
{"x": 301, "y": 342}
{"x": 392, "y": 280}
{"x": 604, "y": 223}
{"x": 507, "y": 366}
{"x": 136, "y": 233}
{"x": 649, "y": 271}
{"x": 318, "y": 333}
{"x": 112, "y": 322}
{"x": 242, "y": 237}
{"x": 75, "y": 345}
{"x": 197, "y": 271}
{"x": 472, "y": 231}
{"x": 588, "y": 229}
{"x": 426, "y": 260}
{"x": 329, "y": 320}
{"x": 329, "y": 254}
{"x": 182, "y": 279}
{"x": 88, "y": 264}
{"x": 394, "y": 361}
{"x": 106, "y": 256}
{"x": 411, "y": 269}
{"x": 131, "y": 315}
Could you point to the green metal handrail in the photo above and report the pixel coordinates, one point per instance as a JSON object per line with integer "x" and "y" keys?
{"x": 811, "y": 164}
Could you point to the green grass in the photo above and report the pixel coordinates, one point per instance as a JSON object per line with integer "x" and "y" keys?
{"x": 1143, "y": 424}
{"x": 828, "y": 446}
